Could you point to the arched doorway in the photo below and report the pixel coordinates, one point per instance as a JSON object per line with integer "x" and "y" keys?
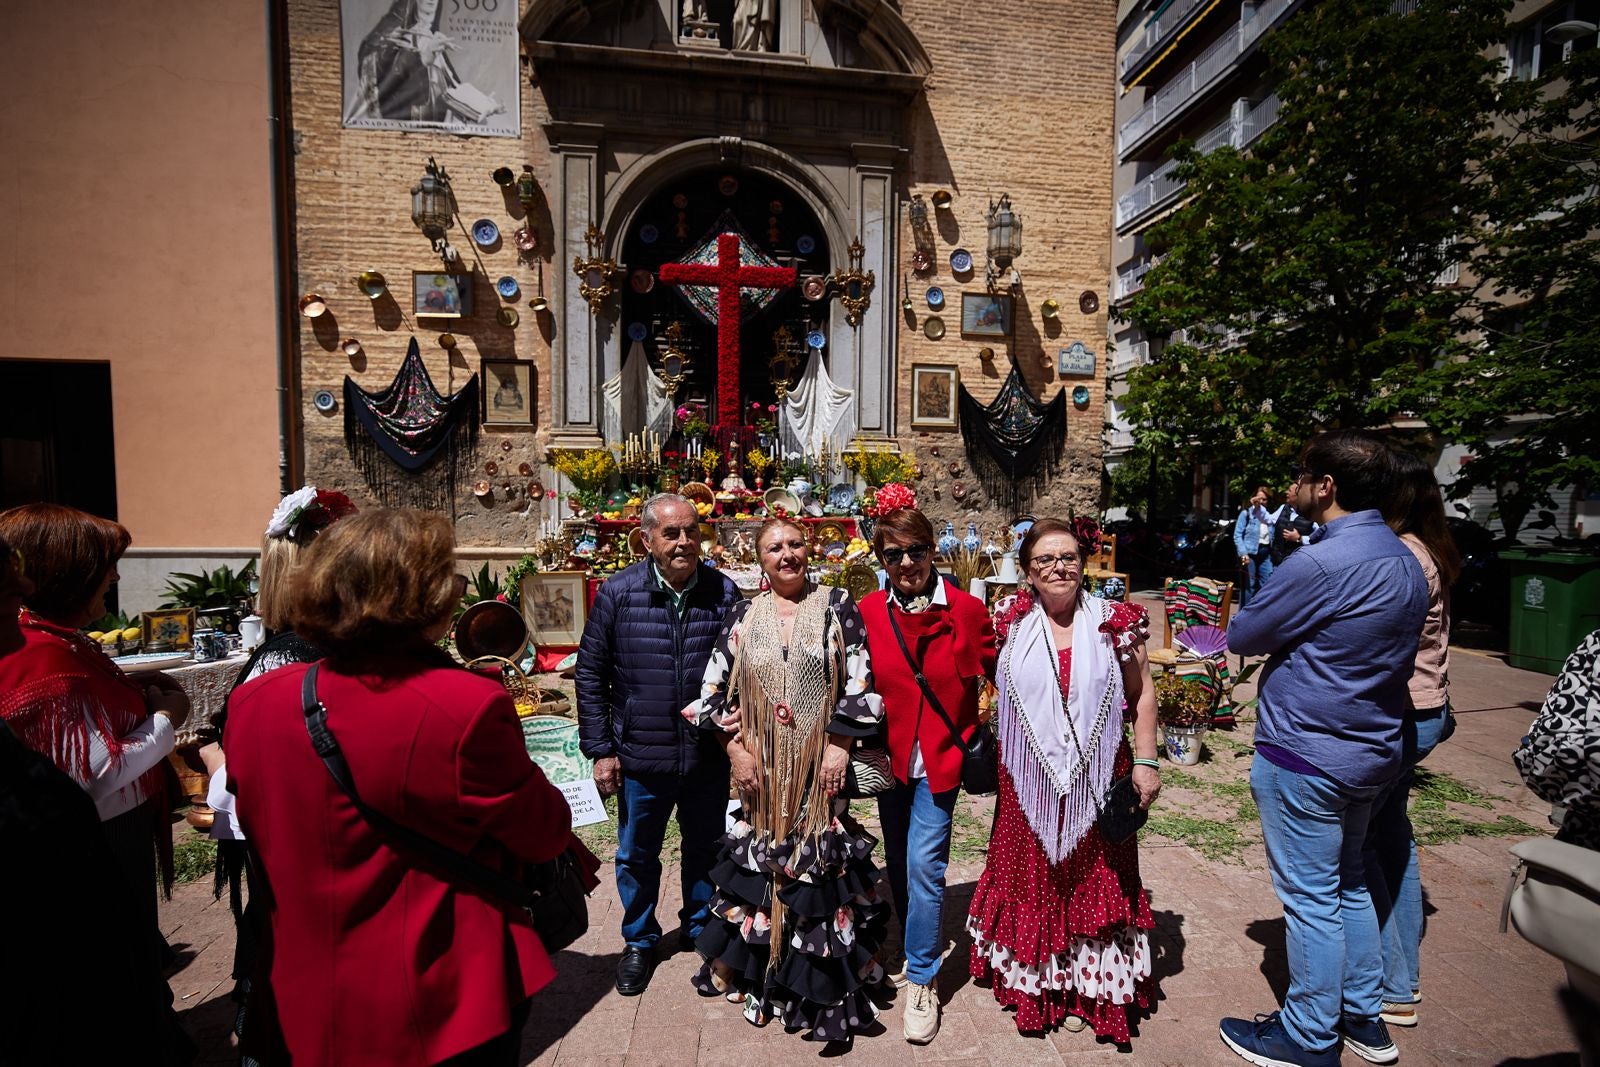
{"x": 684, "y": 211}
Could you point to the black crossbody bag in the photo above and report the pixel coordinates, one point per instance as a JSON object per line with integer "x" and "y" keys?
{"x": 553, "y": 894}
{"x": 980, "y": 757}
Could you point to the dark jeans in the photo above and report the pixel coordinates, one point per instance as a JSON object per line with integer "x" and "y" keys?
{"x": 643, "y": 807}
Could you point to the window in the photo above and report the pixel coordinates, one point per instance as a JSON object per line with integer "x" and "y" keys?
{"x": 1555, "y": 36}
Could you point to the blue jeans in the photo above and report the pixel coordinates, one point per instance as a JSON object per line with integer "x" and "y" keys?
{"x": 1257, "y": 571}
{"x": 643, "y": 807}
{"x": 1314, "y": 829}
{"x": 916, "y": 848}
{"x": 1391, "y": 861}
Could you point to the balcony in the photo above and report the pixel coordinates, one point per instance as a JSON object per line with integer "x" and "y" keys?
{"x": 1204, "y": 72}
{"x": 1158, "y": 32}
{"x": 1130, "y": 281}
{"x": 1127, "y": 357}
{"x": 1119, "y": 440}
{"x": 1161, "y": 186}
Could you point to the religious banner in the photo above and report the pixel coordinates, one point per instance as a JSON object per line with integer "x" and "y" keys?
{"x": 446, "y": 65}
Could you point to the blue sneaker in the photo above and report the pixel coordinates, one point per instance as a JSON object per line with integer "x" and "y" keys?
{"x": 1266, "y": 1044}
{"x": 1368, "y": 1038}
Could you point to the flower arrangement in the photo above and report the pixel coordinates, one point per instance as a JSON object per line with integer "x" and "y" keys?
{"x": 691, "y": 420}
{"x": 757, "y": 461}
{"x": 708, "y": 461}
{"x": 1183, "y": 701}
{"x": 588, "y": 469}
{"x": 891, "y": 497}
{"x": 879, "y": 466}
{"x": 764, "y": 418}
{"x": 307, "y": 510}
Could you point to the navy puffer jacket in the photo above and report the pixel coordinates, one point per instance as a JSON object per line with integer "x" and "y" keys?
{"x": 639, "y": 665}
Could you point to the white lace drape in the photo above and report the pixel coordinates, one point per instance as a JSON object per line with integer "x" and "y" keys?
{"x": 816, "y": 409}
{"x": 635, "y": 399}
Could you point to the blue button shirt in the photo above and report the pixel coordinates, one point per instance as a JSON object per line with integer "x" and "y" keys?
{"x": 1340, "y": 620}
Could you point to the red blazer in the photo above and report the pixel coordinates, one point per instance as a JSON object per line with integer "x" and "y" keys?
{"x": 955, "y": 648}
{"x": 374, "y": 958}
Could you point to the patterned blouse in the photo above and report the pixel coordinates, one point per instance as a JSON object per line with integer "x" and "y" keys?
{"x": 859, "y": 711}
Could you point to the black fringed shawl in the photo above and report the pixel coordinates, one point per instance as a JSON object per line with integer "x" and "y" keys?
{"x": 414, "y": 425}
{"x": 1015, "y": 443}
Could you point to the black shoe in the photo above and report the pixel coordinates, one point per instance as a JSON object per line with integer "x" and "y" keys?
{"x": 634, "y": 970}
{"x": 1368, "y": 1038}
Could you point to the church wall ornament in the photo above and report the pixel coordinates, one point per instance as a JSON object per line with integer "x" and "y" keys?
{"x": 855, "y": 286}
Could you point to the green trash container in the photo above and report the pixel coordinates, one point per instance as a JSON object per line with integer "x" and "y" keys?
{"x": 1555, "y": 604}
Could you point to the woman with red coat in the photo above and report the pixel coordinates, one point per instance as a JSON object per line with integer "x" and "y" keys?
{"x": 372, "y": 956}
{"x": 950, "y": 640}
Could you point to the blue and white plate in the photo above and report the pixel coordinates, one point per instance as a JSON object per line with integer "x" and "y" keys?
{"x": 961, "y": 261}
{"x": 648, "y": 233}
{"x": 935, "y": 297}
{"x": 835, "y": 549}
{"x": 841, "y": 495}
{"x": 816, "y": 339}
{"x": 805, "y": 244}
{"x": 637, "y": 331}
{"x": 485, "y": 232}
{"x": 1080, "y": 395}
{"x": 507, "y": 287}
{"x": 324, "y": 401}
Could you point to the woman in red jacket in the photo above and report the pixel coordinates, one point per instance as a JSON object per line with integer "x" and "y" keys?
{"x": 372, "y": 955}
{"x": 948, "y": 634}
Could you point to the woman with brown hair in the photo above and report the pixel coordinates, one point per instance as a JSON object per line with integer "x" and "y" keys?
{"x": 1060, "y": 920}
{"x": 373, "y": 956}
{"x": 794, "y": 918}
{"x": 930, "y": 642}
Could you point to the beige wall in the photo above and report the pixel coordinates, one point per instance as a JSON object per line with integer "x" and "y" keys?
{"x": 137, "y": 222}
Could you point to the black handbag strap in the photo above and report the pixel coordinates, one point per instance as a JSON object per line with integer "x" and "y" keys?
{"x": 468, "y": 870}
{"x": 927, "y": 690}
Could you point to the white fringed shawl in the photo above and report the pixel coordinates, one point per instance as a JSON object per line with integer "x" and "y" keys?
{"x": 1035, "y": 744}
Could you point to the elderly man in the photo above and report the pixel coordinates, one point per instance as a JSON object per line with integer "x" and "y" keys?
{"x": 1340, "y": 622}
{"x": 644, "y": 651}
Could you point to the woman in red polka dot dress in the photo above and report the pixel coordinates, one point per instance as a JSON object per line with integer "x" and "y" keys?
{"x": 1060, "y": 920}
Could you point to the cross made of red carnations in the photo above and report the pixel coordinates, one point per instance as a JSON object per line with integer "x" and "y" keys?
{"x": 729, "y": 276}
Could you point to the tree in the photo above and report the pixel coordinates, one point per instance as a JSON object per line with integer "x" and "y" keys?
{"x": 1303, "y": 270}
{"x": 1525, "y": 397}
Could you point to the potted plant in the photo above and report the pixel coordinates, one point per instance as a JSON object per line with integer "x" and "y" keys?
{"x": 1183, "y": 708}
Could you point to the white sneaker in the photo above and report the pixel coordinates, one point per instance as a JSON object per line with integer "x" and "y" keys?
{"x": 896, "y": 979}
{"x": 921, "y": 1019}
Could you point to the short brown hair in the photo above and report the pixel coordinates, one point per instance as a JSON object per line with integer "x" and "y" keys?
{"x": 375, "y": 582}
{"x": 67, "y": 552}
{"x": 906, "y": 522}
{"x": 1042, "y": 529}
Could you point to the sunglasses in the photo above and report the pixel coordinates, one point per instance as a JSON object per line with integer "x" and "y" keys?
{"x": 894, "y": 556}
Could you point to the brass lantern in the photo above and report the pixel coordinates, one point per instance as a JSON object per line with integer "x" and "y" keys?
{"x": 433, "y": 208}
{"x": 1005, "y": 238}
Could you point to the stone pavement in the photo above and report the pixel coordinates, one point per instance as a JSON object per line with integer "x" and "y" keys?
{"x": 1488, "y": 997}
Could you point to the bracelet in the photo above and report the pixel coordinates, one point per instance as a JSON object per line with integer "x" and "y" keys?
{"x": 1156, "y": 764}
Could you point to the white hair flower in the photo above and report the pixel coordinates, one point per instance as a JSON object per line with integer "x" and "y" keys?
{"x": 289, "y": 509}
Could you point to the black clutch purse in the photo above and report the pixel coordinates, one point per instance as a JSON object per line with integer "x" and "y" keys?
{"x": 1120, "y": 815}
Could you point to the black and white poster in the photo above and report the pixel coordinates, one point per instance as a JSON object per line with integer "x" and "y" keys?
{"x": 446, "y": 65}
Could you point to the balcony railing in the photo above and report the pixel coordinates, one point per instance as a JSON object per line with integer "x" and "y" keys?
{"x": 1130, "y": 281}
{"x": 1128, "y": 357}
{"x": 1157, "y": 32}
{"x": 1202, "y": 73}
{"x": 1119, "y": 440}
{"x": 1161, "y": 185}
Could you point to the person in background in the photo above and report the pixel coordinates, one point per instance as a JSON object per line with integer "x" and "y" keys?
{"x": 1252, "y": 540}
{"x": 950, "y": 640}
{"x": 62, "y": 696}
{"x": 371, "y": 956}
{"x": 1340, "y": 624}
{"x": 644, "y": 652}
{"x": 1414, "y": 511}
{"x": 1291, "y": 530}
{"x": 1560, "y": 758}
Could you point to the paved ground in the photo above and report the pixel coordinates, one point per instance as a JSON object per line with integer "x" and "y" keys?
{"x": 1488, "y": 997}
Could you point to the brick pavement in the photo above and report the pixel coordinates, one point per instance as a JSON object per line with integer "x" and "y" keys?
{"x": 1219, "y": 951}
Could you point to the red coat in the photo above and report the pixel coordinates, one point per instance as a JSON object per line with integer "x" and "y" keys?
{"x": 373, "y": 958}
{"x": 954, "y": 645}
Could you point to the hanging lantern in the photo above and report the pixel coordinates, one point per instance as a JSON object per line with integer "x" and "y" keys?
{"x": 433, "y": 208}
{"x": 1005, "y": 236}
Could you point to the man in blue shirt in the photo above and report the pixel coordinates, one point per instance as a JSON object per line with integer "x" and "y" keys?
{"x": 1340, "y": 623}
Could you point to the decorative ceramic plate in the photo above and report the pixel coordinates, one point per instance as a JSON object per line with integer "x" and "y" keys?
{"x": 921, "y": 262}
{"x": 491, "y": 468}
{"x": 525, "y": 469}
{"x": 507, "y": 287}
{"x": 485, "y": 232}
{"x": 1088, "y": 302}
{"x": 814, "y": 287}
{"x": 648, "y": 233}
{"x": 961, "y": 261}
{"x": 935, "y": 297}
{"x": 480, "y": 487}
{"x": 835, "y": 549}
{"x": 813, "y": 507}
{"x": 150, "y": 661}
{"x": 508, "y": 316}
{"x": 637, "y": 331}
{"x": 372, "y": 284}
{"x": 841, "y": 495}
{"x": 933, "y": 329}
{"x": 828, "y": 532}
{"x": 642, "y": 281}
{"x": 805, "y": 244}
{"x": 324, "y": 401}
{"x": 526, "y": 241}
{"x": 816, "y": 339}
{"x": 1080, "y": 395}
{"x": 779, "y": 497}
{"x": 861, "y": 580}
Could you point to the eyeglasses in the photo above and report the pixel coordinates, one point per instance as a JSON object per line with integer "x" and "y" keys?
{"x": 894, "y": 556}
{"x": 1048, "y": 563}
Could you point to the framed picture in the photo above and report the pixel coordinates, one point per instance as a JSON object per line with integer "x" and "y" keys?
{"x": 985, "y": 315}
{"x": 1076, "y": 358}
{"x": 554, "y": 608}
{"x": 170, "y": 626}
{"x": 435, "y": 294}
{"x": 933, "y": 396}
{"x": 508, "y": 392}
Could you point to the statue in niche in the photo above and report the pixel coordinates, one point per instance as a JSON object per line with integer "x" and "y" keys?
{"x": 754, "y": 24}
{"x": 694, "y": 11}
{"x": 697, "y": 22}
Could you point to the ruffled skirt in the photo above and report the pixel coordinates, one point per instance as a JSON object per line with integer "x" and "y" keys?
{"x": 833, "y": 924}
